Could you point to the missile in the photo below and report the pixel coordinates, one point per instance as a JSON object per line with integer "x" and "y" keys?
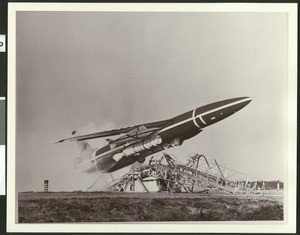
{"x": 146, "y": 139}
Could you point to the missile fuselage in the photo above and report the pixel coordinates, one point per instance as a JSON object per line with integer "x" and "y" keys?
{"x": 172, "y": 133}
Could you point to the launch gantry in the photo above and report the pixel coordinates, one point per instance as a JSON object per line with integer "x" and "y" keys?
{"x": 196, "y": 176}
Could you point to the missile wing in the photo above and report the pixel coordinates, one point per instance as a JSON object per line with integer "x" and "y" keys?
{"x": 129, "y": 131}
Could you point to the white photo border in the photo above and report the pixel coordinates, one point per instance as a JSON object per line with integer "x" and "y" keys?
{"x": 286, "y": 226}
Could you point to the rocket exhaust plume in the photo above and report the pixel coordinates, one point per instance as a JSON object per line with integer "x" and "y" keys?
{"x": 86, "y": 167}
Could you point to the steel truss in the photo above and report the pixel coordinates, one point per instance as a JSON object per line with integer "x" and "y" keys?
{"x": 196, "y": 176}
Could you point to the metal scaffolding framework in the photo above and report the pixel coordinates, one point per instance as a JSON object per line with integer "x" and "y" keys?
{"x": 198, "y": 175}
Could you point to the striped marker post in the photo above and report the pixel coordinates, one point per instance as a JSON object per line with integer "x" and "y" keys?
{"x": 46, "y": 184}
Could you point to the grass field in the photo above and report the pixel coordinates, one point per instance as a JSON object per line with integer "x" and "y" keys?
{"x": 123, "y": 207}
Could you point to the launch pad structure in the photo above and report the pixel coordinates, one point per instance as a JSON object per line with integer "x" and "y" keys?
{"x": 197, "y": 175}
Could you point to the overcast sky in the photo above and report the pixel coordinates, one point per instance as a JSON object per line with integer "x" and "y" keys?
{"x": 96, "y": 71}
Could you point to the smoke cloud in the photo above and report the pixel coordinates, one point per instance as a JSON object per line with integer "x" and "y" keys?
{"x": 99, "y": 181}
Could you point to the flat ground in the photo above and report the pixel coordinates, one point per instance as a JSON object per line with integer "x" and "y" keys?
{"x": 59, "y": 207}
